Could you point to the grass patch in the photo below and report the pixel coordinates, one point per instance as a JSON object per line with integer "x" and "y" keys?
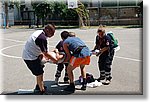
{"x": 134, "y": 26}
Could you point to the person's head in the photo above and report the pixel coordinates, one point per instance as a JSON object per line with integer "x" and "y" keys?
{"x": 65, "y": 35}
{"x": 101, "y": 31}
{"x": 72, "y": 34}
{"x": 49, "y": 30}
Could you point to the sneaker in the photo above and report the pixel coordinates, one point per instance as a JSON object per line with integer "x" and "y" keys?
{"x": 42, "y": 92}
{"x": 56, "y": 80}
{"x": 110, "y": 78}
{"x": 107, "y": 82}
{"x": 70, "y": 88}
{"x": 83, "y": 87}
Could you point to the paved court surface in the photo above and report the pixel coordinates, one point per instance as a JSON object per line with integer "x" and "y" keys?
{"x": 126, "y": 68}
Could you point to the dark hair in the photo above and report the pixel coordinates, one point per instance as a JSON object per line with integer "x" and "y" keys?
{"x": 65, "y": 34}
{"x": 50, "y": 26}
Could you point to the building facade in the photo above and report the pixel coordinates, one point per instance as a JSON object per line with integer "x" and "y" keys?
{"x": 106, "y": 12}
{"x": 115, "y": 12}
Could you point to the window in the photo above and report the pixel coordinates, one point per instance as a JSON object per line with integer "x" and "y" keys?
{"x": 109, "y": 3}
{"x": 127, "y": 3}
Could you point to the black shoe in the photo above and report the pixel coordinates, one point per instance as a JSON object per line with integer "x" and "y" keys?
{"x": 37, "y": 88}
{"x": 100, "y": 79}
{"x": 66, "y": 80}
{"x": 42, "y": 92}
{"x": 83, "y": 87}
{"x": 109, "y": 78}
{"x": 70, "y": 88}
{"x": 107, "y": 82}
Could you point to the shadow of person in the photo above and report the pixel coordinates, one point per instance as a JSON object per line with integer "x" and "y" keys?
{"x": 52, "y": 89}
{"x": 55, "y": 89}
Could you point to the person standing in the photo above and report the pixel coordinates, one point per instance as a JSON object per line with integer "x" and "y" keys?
{"x": 34, "y": 49}
{"x": 106, "y": 54}
{"x": 60, "y": 66}
{"x": 78, "y": 55}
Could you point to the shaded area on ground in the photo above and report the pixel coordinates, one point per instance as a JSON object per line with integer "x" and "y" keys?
{"x": 52, "y": 89}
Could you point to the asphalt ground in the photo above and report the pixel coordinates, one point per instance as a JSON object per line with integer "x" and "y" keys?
{"x": 127, "y": 70}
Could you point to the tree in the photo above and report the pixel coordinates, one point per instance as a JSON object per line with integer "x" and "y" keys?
{"x": 83, "y": 14}
{"x": 42, "y": 10}
{"x": 59, "y": 8}
{"x": 54, "y": 10}
{"x": 70, "y": 16}
{"x": 61, "y": 12}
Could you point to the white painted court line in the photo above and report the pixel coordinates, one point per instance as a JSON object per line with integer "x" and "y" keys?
{"x": 25, "y": 41}
{"x": 132, "y": 59}
{"x": 11, "y": 56}
{"x": 13, "y": 40}
{"x": 25, "y": 91}
{"x": 17, "y": 57}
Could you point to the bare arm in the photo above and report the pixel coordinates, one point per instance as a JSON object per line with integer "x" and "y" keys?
{"x": 65, "y": 46}
{"x": 49, "y": 56}
{"x": 57, "y": 53}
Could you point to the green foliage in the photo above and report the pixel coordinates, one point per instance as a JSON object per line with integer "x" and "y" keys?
{"x": 83, "y": 14}
{"x": 49, "y": 10}
{"x": 14, "y": 3}
{"x": 42, "y": 9}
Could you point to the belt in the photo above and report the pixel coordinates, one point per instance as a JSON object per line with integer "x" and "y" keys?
{"x": 78, "y": 49}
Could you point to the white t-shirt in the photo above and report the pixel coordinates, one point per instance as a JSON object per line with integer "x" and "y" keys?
{"x": 35, "y": 45}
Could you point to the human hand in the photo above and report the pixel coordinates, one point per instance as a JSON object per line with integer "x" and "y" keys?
{"x": 56, "y": 51}
{"x": 99, "y": 53}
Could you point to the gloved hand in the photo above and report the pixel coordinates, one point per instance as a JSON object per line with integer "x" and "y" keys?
{"x": 95, "y": 52}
